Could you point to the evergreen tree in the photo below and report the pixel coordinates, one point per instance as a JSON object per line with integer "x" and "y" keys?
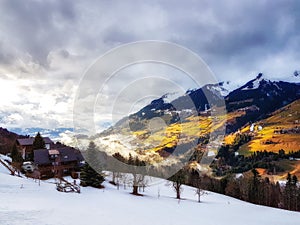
{"x": 38, "y": 142}
{"x": 91, "y": 174}
{"x": 287, "y": 192}
{"x": 253, "y": 189}
{"x": 16, "y": 156}
{"x": 294, "y": 180}
{"x": 90, "y": 177}
{"x": 130, "y": 160}
{"x": 266, "y": 191}
{"x": 290, "y": 195}
{"x": 298, "y": 199}
{"x": 233, "y": 188}
{"x": 119, "y": 157}
{"x": 295, "y": 193}
{"x": 289, "y": 179}
{"x": 276, "y": 196}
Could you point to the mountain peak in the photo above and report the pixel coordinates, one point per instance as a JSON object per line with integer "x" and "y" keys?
{"x": 259, "y": 76}
{"x": 254, "y": 83}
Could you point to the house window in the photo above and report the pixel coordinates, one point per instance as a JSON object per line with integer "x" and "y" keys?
{"x": 53, "y": 156}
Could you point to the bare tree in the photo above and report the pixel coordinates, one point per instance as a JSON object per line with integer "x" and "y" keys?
{"x": 178, "y": 180}
{"x": 136, "y": 182}
{"x": 137, "y": 175}
{"x": 124, "y": 179}
{"x": 115, "y": 166}
{"x": 144, "y": 183}
{"x": 118, "y": 176}
{"x": 198, "y": 185}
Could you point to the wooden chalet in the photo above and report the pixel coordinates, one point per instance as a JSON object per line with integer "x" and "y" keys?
{"x": 57, "y": 162}
{"x": 25, "y": 146}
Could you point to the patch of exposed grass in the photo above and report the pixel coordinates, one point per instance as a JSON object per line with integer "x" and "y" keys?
{"x": 244, "y": 150}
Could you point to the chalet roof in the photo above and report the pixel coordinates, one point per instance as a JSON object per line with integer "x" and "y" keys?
{"x": 70, "y": 154}
{"x": 41, "y": 157}
{"x": 29, "y": 141}
{"x": 66, "y": 154}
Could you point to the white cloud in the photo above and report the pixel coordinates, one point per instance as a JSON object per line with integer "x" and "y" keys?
{"x": 46, "y": 46}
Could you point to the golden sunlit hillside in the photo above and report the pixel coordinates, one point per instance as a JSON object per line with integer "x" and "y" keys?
{"x": 279, "y": 131}
{"x": 185, "y": 131}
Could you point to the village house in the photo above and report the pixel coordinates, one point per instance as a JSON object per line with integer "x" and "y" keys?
{"x": 25, "y": 146}
{"x": 53, "y": 160}
{"x": 58, "y": 162}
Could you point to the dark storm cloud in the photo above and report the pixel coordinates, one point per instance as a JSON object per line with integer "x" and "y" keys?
{"x": 244, "y": 38}
{"x": 34, "y": 26}
{"x": 222, "y": 30}
{"x": 214, "y": 29}
{"x": 55, "y": 41}
{"x": 267, "y": 27}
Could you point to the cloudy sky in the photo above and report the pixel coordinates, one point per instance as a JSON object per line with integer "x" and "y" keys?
{"x": 46, "y": 46}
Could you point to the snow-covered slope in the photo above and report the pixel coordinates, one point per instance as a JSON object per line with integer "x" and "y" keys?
{"x": 24, "y": 202}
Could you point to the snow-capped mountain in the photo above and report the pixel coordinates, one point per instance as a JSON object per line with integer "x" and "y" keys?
{"x": 262, "y": 94}
{"x": 265, "y": 94}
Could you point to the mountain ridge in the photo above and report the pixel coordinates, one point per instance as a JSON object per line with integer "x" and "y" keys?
{"x": 260, "y": 96}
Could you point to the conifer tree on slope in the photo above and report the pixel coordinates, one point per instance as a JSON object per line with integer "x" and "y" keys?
{"x": 16, "y": 157}
{"x": 91, "y": 174}
{"x": 253, "y": 187}
{"x": 38, "y": 142}
{"x": 290, "y": 193}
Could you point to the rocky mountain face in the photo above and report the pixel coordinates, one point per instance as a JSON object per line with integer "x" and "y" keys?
{"x": 265, "y": 94}
{"x": 257, "y": 98}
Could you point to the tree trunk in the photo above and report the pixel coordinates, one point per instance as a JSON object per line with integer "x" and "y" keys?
{"x": 178, "y": 193}
{"x": 135, "y": 190}
{"x": 114, "y": 177}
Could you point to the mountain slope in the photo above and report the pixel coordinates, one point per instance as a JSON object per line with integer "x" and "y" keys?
{"x": 7, "y": 140}
{"x": 265, "y": 94}
{"x": 258, "y": 98}
{"x": 281, "y": 130}
{"x": 23, "y": 201}
{"x": 252, "y": 102}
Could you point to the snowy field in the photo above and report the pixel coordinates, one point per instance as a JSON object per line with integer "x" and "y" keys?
{"x": 24, "y": 202}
